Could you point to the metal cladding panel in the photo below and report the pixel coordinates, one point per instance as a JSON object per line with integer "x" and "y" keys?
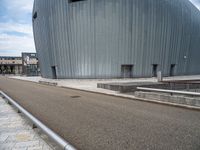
{"x": 93, "y": 38}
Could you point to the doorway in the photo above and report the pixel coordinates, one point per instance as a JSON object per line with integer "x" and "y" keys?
{"x": 172, "y": 69}
{"x": 154, "y": 70}
{"x": 127, "y": 71}
{"x": 54, "y": 75}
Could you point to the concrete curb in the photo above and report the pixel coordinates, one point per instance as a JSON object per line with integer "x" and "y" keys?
{"x": 48, "y": 83}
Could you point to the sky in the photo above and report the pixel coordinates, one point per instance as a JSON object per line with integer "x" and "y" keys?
{"x": 196, "y": 3}
{"x": 16, "y": 26}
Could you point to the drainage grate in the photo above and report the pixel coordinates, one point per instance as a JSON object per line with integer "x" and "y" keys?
{"x": 76, "y": 96}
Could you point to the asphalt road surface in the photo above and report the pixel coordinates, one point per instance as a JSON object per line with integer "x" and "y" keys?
{"x": 100, "y": 122}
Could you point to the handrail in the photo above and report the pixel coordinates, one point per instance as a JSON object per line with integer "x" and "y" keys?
{"x": 55, "y": 137}
{"x": 169, "y": 91}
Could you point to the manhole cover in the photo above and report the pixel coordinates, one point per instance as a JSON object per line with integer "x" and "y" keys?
{"x": 76, "y": 96}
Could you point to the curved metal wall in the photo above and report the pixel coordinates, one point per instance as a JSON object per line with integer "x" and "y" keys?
{"x": 93, "y": 38}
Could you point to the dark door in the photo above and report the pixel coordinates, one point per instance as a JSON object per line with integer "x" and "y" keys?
{"x": 54, "y": 75}
{"x": 127, "y": 71}
{"x": 154, "y": 70}
{"x": 172, "y": 69}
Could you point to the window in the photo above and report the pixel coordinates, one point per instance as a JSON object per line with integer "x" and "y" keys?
{"x": 35, "y": 15}
{"x": 72, "y": 1}
{"x": 33, "y": 55}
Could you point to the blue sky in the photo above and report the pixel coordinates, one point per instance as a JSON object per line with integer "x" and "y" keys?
{"x": 196, "y": 3}
{"x": 16, "y": 26}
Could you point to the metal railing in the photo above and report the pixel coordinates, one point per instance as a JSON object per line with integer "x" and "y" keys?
{"x": 56, "y": 138}
{"x": 169, "y": 91}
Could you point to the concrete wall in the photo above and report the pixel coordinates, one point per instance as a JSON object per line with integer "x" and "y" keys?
{"x": 177, "y": 99}
{"x": 93, "y": 38}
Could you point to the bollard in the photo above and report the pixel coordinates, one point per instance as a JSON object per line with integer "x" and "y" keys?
{"x": 159, "y": 76}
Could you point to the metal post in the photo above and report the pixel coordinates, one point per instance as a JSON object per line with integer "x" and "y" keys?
{"x": 159, "y": 76}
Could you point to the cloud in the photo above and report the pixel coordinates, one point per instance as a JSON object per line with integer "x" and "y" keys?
{"x": 16, "y": 37}
{"x": 10, "y": 42}
{"x": 19, "y": 5}
{"x": 196, "y": 3}
{"x": 16, "y": 27}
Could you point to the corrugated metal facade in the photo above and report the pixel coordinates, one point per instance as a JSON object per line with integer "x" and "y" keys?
{"x": 93, "y": 38}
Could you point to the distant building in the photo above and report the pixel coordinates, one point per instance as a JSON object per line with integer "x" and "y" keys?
{"x": 30, "y": 65}
{"x": 27, "y": 64}
{"x": 10, "y": 65}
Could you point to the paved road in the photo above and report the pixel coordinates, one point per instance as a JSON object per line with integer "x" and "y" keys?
{"x": 99, "y": 122}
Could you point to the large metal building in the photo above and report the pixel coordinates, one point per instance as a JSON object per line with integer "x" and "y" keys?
{"x": 116, "y": 38}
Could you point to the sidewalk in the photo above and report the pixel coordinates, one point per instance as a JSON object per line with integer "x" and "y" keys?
{"x": 84, "y": 84}
{"x": 16, "y": 132}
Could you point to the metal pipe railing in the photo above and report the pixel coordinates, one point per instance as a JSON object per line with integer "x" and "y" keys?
{"x": 55, "y": 137}
{"x": 169, "y": 91}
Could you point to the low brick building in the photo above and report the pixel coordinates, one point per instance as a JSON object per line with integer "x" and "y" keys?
{"x": 27, "y": 64}
{"x": 10, "y": 65}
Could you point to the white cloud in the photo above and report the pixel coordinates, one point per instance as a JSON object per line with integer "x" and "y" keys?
{"x": 16, "y": 44}
{"x": 16, "y": 32}
{"x": 16, "y": 27}
{"x": 196, "y": 3}
{"x": 13, "y": 41}
{"x": 19, "y": 5}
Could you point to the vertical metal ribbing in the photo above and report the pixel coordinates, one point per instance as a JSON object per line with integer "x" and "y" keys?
{"x": 93, "y": 38}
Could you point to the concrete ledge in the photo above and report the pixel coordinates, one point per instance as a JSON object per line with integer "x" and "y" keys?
{"x": 48, "y": 83}
{"x": 132, "y": 87}
{"x": 127, "y": 87}
{"x": 183, "y": 100}
{"x": 169, "y": 104}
